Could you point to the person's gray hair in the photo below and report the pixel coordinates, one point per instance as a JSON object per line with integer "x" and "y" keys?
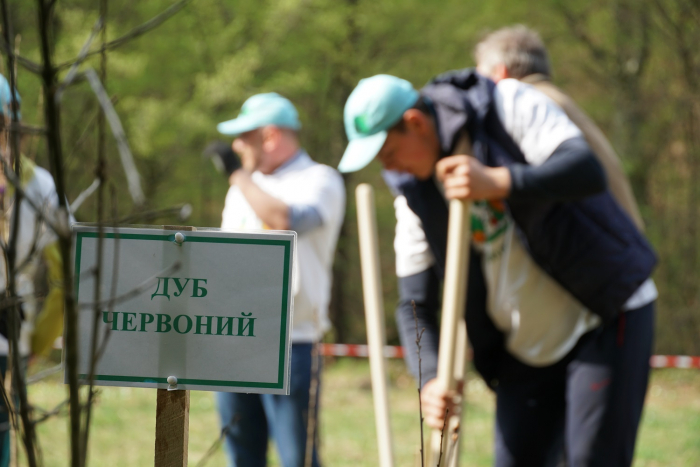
{"x": 520, "y": 49}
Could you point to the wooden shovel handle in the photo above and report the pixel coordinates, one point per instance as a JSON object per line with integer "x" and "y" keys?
{"x": 453, "y": 303}
{"x": 374, "y": 317}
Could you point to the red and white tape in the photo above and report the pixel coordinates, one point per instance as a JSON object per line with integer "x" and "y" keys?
{"x": 393, "y": 351}
{"x": 355, "y": 350}
{"x": 674, "y": 361}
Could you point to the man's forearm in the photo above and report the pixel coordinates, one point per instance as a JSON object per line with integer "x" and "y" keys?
{"x": 272, "y": 211}
{"x": 572, "y": 172}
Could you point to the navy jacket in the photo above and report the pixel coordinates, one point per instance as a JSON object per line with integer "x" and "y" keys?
{"x": 588, "y": 245}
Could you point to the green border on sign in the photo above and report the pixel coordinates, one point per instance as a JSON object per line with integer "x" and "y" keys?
{"x": 191, "y": 239}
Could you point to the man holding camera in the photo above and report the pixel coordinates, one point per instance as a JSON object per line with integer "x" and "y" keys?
{"x": 275, "y": 185}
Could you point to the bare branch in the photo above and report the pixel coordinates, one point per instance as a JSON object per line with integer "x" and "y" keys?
{"x": 213, "y": 449}
{"x": 135, "y": 292}
{"x": 115, "y": 276}
{"x": 84, "y": 195}
{"x": 419, "y": 336}
{"x": 25, "y": 62}
{"x": 6, "y": 401}
{"x": 55, "y": 153}
{"x": 215, "y": 445}
{"x": 8, "y": 302}
{"x": 666, "y": 16}
{"x": 101, "y": 178}
{"x": 35, "y": 378}
{"x": 442, "y": 437}
{"x": 182, "y": 210}
{"x": 678, "y": 35}
{"x": 132, "y": 174}
{"x": 645, "y": 47}
{"x": 14, "y": 181}
{"x": 52, "y": 413}
{"x": 19, "y": 127}
{"x": 81, "y": 56}
{"x": 87, "y": 126}
{"x": 134, "y": 33}
{"x": 574, "y": 23}
{"x": 14, "y": 317}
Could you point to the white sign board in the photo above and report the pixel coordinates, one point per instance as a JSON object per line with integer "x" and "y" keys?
{"x": 215, "y": 311}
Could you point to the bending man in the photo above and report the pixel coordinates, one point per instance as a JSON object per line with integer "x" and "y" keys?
{"x": 558, "y": 274}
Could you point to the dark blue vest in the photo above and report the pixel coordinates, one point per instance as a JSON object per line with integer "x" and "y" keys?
{"x": 590, "y": 246}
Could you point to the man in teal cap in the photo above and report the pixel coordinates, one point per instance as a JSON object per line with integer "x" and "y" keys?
{"x": 559, "y": 309}
{"x": 275, "y": 185}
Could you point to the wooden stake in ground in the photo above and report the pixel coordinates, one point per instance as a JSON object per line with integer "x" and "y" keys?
{"x": 172, "y": 428}
{"x": 453, "y": 303}
{"x": 172, "y": 417}
{"x": 374, "y": 316}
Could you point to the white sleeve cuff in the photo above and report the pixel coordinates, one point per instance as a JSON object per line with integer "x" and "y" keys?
{"x": 413, "y": 253}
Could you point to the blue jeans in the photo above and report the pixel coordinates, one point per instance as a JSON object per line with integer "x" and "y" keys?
{"x": 248, "y": 419}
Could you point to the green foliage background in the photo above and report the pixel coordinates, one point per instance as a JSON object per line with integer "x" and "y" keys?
{"x": 632, "y": 65}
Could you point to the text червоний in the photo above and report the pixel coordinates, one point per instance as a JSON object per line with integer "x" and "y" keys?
{"x": 182, "y": 324}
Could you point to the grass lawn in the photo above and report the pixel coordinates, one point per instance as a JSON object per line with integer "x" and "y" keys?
{"x": 124, "y": 422}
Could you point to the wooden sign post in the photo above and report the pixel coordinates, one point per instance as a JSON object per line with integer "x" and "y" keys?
{"x": 172, "y": 428}
{"x": 172, "y": 416}
{"x": 188, "y": 310}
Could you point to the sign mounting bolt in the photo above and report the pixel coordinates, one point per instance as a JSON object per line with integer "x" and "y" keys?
{"x": 172, "y": 383}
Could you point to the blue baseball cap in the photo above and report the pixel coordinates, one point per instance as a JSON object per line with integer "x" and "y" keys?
{"x": 7, "y": 97}
{"x": 374, "y": 106}
{"x": 262, "y": 110}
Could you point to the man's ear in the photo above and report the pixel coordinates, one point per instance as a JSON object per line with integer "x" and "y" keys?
{"x": 416, "y": 121}
{"x": 271, "y": 136}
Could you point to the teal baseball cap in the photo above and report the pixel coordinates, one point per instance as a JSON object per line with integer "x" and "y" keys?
{"x": 261, "y": 110}
{"x": 8, "y": 99}
{"x": 374, "y": 106}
